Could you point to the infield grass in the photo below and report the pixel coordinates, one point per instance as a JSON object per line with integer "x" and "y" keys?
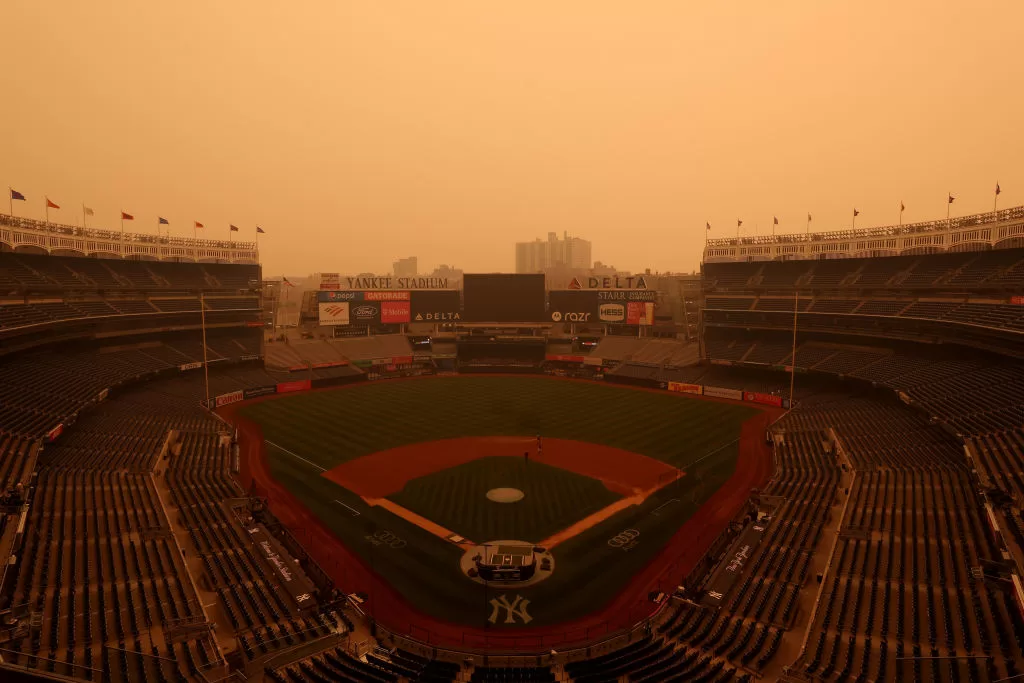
{"x": 456, "y": 498}
{"x": 332, "y": 427}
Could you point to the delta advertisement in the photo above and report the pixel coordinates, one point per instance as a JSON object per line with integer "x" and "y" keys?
{"x": 684, "y": 388}
{"x": 720, "y": 392}
{"x": 763, "y": 399}
{"x": 632, "y": 307}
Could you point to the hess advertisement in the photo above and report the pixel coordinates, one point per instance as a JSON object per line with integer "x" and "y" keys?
{"x": 623, "y": 307}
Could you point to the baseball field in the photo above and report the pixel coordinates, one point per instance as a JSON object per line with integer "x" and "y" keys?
{"x": 390, "y": 483}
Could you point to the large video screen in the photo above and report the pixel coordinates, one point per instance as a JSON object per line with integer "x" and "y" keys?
{"x": 503, "y": 298}
{"x": 436, "y": 306}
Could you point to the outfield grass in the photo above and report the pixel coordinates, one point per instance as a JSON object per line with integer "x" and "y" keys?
{"x": 333, "y": 427}
{"x": 456, "y": 498}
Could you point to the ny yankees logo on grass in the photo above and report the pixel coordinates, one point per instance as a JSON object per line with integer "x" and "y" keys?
{"x": 516, "y": 608}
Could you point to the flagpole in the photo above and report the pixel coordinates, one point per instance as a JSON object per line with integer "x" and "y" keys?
{"x": 995, "y": 200}
{"x": 792, "y": 359}
{"x": 206, "y": 364}
{"x": 948, "y": 204}
{"x": 83, "y": 216}
{"x": 808, "y": 224}
{"x": 47, "y": 208}
{"x": 901, "y": 214}
{"x": 10, "y": 200}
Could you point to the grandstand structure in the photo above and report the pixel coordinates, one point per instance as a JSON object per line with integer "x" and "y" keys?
{"x": 888, "y": 541}
{"x": 29, "y": 236}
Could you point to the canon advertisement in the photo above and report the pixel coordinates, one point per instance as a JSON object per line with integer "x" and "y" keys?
{"x": 625, "y": 307}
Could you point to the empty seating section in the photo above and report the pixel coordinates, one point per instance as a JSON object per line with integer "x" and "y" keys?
{"x": 176, "y": 305}
{"x": 232, "y": 303}
{"x": 899, "y": 602}
{"x": 337, "y": 664}
{"x": 747, "y": 629}
{"x": 729, "y": 303}
{"x": 784, "y": 273}
{"x": 40, "y": 390}
{"x": 31, "y": 272}
{"x": 928, "y": 271}
{"x": 834, "y": 305}
{"x": 882, "y": 307}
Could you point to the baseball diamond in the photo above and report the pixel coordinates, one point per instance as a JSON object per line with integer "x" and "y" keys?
{"x": 617, "y": 474}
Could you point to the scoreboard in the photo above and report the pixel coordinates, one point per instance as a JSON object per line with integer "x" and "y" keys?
{"x": 503, "y": 298}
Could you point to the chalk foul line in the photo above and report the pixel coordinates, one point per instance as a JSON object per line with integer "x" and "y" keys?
{"x": 285, "y": 450}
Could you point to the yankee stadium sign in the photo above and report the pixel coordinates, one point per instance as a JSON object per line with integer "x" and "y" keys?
{"x": 388, "y": 282}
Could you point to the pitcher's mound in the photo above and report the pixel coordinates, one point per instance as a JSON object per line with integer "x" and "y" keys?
{"x": 505, "y": 495}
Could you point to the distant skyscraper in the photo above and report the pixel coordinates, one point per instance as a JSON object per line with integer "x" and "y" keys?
{"x": 536, "y": 256}
{"x": 406, "y": 267}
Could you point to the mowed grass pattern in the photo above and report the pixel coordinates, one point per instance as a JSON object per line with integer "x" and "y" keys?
{"x": 456, "y": 498}
{"x": 333, "y": 427}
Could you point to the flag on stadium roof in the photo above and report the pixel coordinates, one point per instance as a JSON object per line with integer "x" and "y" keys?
{"x": 198, "y": 224}
{"x": 286, "y": 281}
{"x": 902, "y": 208}
{"x": 856, "y": 212}
{"x": 738, "y": 222}
{"x": 162, "y": 221}
{"x": 232, "y": 228}
{"x": 951, "y": 199}
{"x": 127, "y": 216}
{"x": 260, "y": 230}
{"x": 87, "y": 210}
{"x": 997, "y": 188}
{"x": 17, "y": 195}
{"x": 775, "y": 220}
{"x": 50, "y": 204}
{"x": 707, "y": 225}
{"x": 808, "y": 218}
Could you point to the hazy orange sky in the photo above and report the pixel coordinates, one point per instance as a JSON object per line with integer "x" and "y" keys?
{"x": 357, "y": 133}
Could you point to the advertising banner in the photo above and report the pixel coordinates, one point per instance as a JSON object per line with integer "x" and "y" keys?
{"x": 763, "y": 399}
{"x": 436, "y": 306}
{"x": 334, "y": 313}
{"x": 719, "y": 392}
{"x": 330, "y": 280}
{"x": 564, "y": 358}
{"x": 721, "y": 362}
{"x": 1017, "y": 300}
{"x": 684, "y": 388}
{"x": 253, "y": 392}
{"x": 230, "y": 397}
{"x": 103, "y": 395}
{"x": 402, "y": 360}
{"x": 296, "y": 385}
{"x": 190, "y": 366}
{"x": 591, "y": 360}
{"x": 395, "y": 311}
{"x": 639, "y": 313}
{"x": 254, "y": 356}
{"x": 55, "y": 432}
